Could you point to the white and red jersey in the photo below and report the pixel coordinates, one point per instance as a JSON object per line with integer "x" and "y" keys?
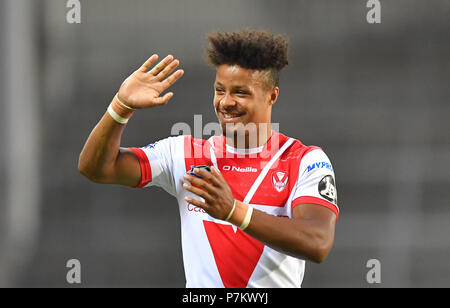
{"x": 273, "y": 178}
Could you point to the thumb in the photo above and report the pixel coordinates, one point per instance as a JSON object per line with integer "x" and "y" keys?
{"x": 163, "y": 100}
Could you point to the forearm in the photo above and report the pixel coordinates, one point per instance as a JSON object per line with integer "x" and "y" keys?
{"x": 300, "y": 238}
{"x": 101, "y": 148}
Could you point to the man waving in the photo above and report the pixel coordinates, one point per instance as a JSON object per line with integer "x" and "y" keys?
{"x": 254, "y": 203}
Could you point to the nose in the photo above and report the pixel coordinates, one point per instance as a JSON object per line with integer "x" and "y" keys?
{"x": 227, "y": 102}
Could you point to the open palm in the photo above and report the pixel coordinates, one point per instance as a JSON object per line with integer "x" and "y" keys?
{"x": 143, "y": 88}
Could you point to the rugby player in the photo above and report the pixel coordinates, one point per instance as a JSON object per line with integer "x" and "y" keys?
{"x": 254, "y": 203}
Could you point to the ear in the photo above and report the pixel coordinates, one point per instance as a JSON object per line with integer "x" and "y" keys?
{"x": 273, "y": 95}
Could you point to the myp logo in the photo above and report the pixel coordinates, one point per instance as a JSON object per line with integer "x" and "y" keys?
{"x": 320, "y": 165}
{"x": 151, "y": 146}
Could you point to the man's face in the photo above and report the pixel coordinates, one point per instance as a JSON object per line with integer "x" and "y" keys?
{"x": 242, "y": 97}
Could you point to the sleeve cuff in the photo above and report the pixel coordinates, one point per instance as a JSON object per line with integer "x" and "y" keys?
{"x": 146, "y": 170}
{"x": 318, "y": 201}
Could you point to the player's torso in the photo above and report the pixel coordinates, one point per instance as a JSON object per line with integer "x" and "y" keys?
{"x": 217, "y": 253}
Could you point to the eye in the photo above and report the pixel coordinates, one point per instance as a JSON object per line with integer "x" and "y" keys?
{"x": 241, "y": 92}
{"x": 219, "y": 90}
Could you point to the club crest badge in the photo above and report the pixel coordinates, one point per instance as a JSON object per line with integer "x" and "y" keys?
{"x": 279, "y": 180}
{"x": 327, "y": 189}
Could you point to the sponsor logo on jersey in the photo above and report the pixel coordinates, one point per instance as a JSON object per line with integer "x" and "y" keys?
{"x": 320, "y": 165}
{"x": 195, "y": 209}
{"x": 279, "y": 180}
{"x": 327, "y": 189}
{"x": 151, "y": 146}
{"x": 239, "y": 169}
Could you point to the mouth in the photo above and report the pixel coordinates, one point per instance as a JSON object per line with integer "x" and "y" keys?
{"x": 231, "y": 117}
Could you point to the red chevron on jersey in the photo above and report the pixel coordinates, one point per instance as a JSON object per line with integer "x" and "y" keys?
{"x": 236, "y": 254}
{"x": 274, "y": 178}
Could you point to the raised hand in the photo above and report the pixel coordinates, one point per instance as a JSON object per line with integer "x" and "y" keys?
{"x": 143, "y": 88}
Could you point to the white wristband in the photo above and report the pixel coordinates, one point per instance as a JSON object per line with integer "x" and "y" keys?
{"x": 247, "y": 218}
{"x": 232, "y": 211}
{"x": 120, "y": 102}
{"x": 116, "y": 117}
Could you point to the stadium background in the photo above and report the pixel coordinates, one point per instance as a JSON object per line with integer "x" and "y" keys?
{"x": 375, "y": 97}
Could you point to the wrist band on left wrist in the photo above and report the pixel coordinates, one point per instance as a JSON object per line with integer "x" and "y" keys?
{"x": 241, "y": 215}
{"x": 248, "y": 217}
{"x": 232, "y": 211}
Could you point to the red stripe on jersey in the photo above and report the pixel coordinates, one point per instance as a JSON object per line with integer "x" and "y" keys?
{"x": 146, "y": 170}
{"x": 196, "y": 152}
{"x": 311, "y": 148}
{"x": 241, "y": 170}
{"x": 315, "y": 200}
{"x": 275, "y": 188}
{"x": 282, "y": 177}
{"x": 236, "y": 254}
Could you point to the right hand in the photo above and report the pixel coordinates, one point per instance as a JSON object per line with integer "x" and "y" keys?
{"x": 143, "y": 88}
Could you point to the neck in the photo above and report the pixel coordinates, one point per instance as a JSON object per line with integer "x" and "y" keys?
{"x": 250, "y": 140}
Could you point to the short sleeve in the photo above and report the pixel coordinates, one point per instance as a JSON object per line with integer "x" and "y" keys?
{"x": 316, "y": 182}
{"x": 157, "y": 163}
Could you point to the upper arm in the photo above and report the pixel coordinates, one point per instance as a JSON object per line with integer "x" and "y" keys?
{"x": 157, "y": 163}
{"x": 124, "y": 171}
{"x": 319, "y": 216}
{"x": 321, "y": 227}
{"x": 315, "y": 197}
{"x": 311, "y": 211}
{"x": 316, "y": 183}
{"x": 143, "y": 166}
{"x": 127, "y": 170}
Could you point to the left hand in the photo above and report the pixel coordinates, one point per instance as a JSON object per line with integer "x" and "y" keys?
{"x": 213, "y": 188}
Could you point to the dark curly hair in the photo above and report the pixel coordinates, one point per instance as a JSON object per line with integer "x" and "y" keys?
{"x": 250, "y": 49}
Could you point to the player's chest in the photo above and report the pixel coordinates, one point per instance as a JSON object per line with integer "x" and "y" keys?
{"x": 271, "y": 188}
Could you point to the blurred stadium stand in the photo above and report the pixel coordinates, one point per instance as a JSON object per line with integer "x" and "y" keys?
{"x": 375, "y": 97}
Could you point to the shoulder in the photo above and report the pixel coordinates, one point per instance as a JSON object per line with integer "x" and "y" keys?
{"x": 307, "y": 157}
{"x": 172, "y": 140}
{"x": 300, "y": 151}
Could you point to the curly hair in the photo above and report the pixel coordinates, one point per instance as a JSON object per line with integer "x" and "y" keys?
{"x": 250, "y": 49}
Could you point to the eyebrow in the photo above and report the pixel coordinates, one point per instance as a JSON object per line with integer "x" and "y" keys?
{"x": 236, "y": 87}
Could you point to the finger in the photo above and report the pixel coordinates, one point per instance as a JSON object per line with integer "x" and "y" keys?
{"x": 195, "y": 181}
{"x": 161, "y": 65}
{"x": 200, "y": 183}
{"x": 197, "y": 203}
{"x": 169, "y": 69}
{"x": 219, "y": 177}
{"x": 207, "y": 176}
{"x": 146, "y": 66}
{"x": 164, "y": 99}
{"x": 199, "y": 192}
{"x": 172, "y": 79}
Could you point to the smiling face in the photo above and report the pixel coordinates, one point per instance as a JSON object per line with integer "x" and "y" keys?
{"x": 243, "y": 96}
